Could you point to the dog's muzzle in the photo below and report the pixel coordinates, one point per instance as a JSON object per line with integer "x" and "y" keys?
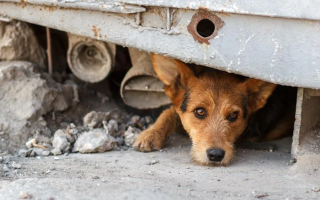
{"x": 215, "y": 154}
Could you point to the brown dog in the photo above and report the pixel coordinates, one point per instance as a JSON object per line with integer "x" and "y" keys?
{"x": 216, "y": 108}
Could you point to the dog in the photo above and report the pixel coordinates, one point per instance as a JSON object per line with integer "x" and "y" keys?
{"x": 217, "y": 109}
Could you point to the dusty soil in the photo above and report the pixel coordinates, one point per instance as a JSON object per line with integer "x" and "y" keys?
{"x": 168, "y": 174}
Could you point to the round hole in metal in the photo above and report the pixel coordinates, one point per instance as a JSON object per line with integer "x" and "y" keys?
{"x": 205, "y": 28}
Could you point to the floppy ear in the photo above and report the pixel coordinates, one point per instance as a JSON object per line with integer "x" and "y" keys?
{"x": 173, "y": 73}
{"x": 258, "y": 93}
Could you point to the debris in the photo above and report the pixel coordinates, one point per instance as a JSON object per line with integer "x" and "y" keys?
{"x": 316, "y": 189}
{"x": 56, "y": 152}
{"x": 60, "y": 143}
{"x": 5, "y": 168}
{"x": 56, "y": 158}
{"x": 134, "y": 121}
{"x": 23, "y": 153}
{"x": 259, "y": 195}
{"x": 21, "y": 86}
{"x": 96, "y": 140}
{"x": 120, "y": 141}
{"x": 16, "y": 165}
{"x": 153, "y": 162}
{"x": 36, "y": 152}
{"x": 94, "y": 119}
{"x": 46, "y": 153}
{"x": 112, "y": 127}
{"x": 130, "y": 135}
{"x": 17, "y": 33}
{"x": 293, "y": 160}
{"x": 25, "y": 195}
{"x": 95, "y": 177}
{"x": 31, "y": 143}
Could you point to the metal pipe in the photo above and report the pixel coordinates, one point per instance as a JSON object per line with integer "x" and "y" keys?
{"x": 140, "y": 87}
{"x": 90, "y": 60}
{"x": 49, "y": 52}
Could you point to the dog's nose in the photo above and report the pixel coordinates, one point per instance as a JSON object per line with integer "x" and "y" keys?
{"x": 215, "y": 154}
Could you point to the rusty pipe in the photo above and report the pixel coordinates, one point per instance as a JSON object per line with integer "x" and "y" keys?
{"x": 90, "y": 60}
{"x": 141, "y": 87}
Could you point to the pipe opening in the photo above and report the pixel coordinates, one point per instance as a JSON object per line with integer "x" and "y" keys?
{"x": 205, "y": 28}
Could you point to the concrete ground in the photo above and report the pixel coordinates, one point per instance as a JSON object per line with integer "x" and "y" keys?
{"x": 168, "y": 174}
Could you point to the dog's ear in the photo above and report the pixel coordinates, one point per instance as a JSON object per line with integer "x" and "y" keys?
{"x": 258, "y": 93}
{"x": 170, "y": 71}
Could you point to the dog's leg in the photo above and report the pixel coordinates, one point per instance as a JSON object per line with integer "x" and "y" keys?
{"x": 154, "y": 137}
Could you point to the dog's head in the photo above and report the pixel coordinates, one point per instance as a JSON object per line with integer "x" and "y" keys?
{"x": 214, "y": 107}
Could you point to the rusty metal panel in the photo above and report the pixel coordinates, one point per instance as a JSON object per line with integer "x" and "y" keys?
{"x": 307, "y": 9}
{"x": 278, "y": 50}
{"x": 116, "y": 7}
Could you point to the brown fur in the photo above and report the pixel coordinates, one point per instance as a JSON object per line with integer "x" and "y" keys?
{"x": 220, "y": 94}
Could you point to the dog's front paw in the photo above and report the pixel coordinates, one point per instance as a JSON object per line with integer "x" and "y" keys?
{"x": 150, "y": 140}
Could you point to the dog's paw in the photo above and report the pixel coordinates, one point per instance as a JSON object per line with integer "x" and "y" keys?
{"x": 149, "y": 140}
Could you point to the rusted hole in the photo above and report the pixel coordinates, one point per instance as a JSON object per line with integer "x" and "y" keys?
{"x": 205, "y": 28}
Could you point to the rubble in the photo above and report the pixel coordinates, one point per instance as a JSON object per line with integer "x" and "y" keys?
{"x": 16, "y": 165}
{"x": 14, "y": 34}
{"x": 130, "y": 135}
{"x": 61, "y": 141}
{"x": 94, "y": 141}
{"x": 46, "y": 153}
{"x": 24, "y": 98}
{"x": 23, "y": 153}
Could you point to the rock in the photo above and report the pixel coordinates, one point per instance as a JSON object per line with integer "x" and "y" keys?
{"x": 142, "y": 122}
{"x": 16, "y": 165}
{"x": 120, "y": 141}
{"x": 56, "y": 152}
{"x": 5, "y": 168}
{"x": 130, "y": 135}
{"x": 61, "y": 143}
{"x": 62, "y": 140}
{"x": 37, "y": 152}
{"x": 122, "y": 128}
{"x": 134, "y": 120}
{"x": 6, "y": 159}
{"x": 96, "y": 140}
{"x": 94, "y": 119}
{"x": 24, "y": 97}
{"x": 46, "y": 153}
{"x": 17, "y": 33}
{"x": 112, "y": 127}
{"x": 149, "y": 120}
{"x": 153, "y": 162}
{"x": 25, "y": 195}
{"x": 23, "y": 153}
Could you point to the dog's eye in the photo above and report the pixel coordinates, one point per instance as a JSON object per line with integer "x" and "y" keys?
{"x": 200, "y": 113}
{"x": 233, "y": 116}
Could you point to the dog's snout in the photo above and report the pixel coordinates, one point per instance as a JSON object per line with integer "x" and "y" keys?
{"x": 215, "y": 154}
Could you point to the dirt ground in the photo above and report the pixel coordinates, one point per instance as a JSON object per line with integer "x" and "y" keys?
{"x": 168, "y": 174}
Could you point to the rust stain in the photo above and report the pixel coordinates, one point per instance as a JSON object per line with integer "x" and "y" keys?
{"x": 196, "y": 18}
{"x": 203, "y": 8}
{"x": 96, "y": 31}
{"x": 222, "y": 13}
{"x": 51, "y": 9}
{"x": 22, "y": 1}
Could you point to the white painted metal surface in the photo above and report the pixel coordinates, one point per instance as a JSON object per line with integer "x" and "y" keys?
{"x": 272, "y": 41}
